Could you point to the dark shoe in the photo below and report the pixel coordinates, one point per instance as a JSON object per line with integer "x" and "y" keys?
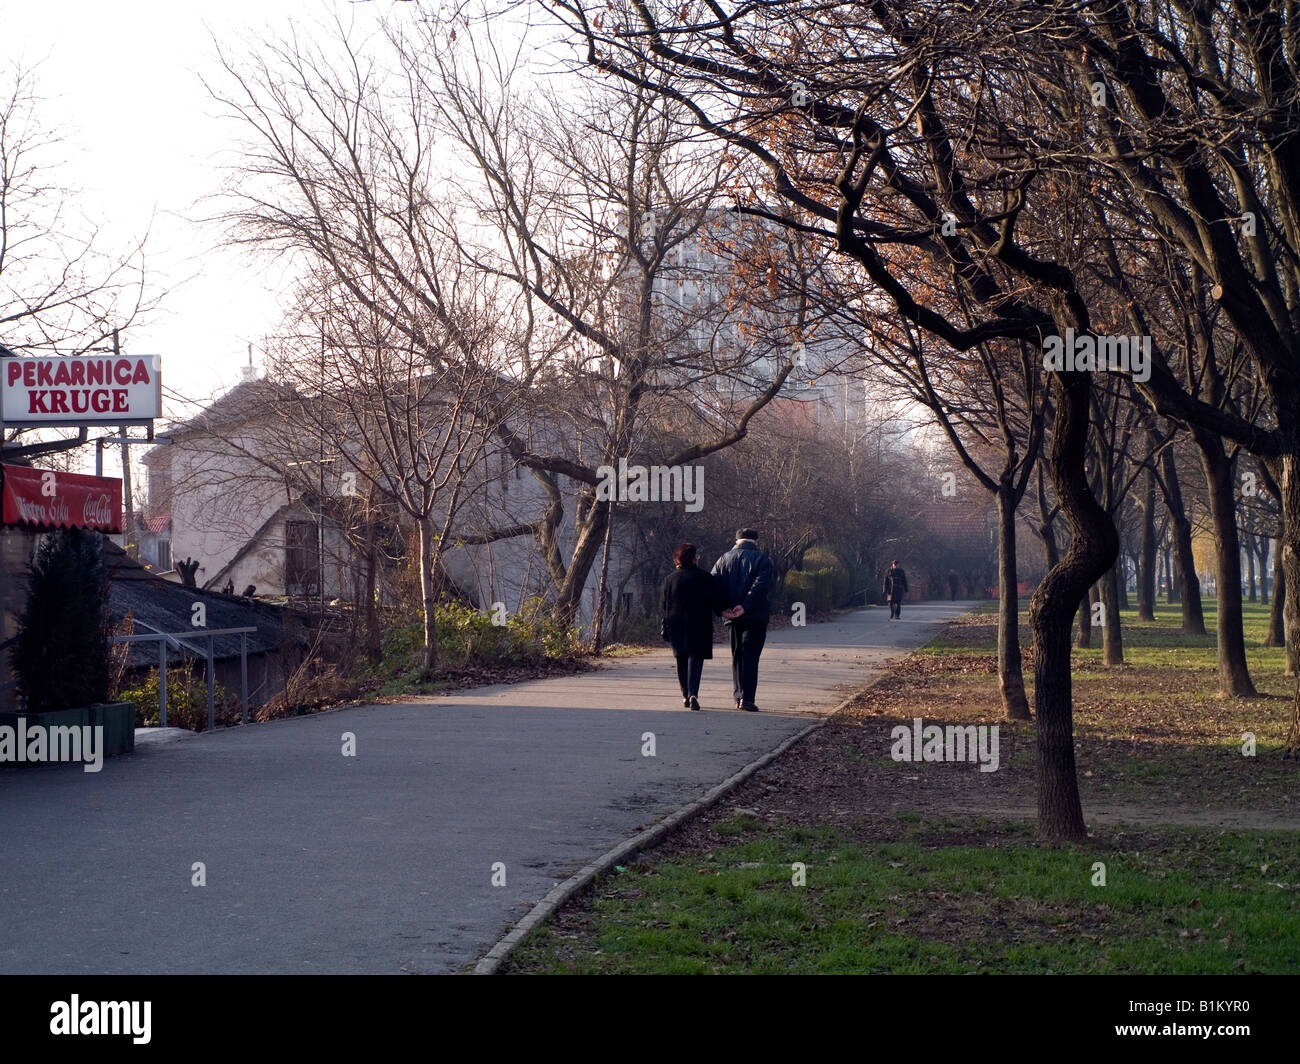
{"x": 694, "y": 702}
{"x": 686, "y": 703}
{"x": 749, "y": 707}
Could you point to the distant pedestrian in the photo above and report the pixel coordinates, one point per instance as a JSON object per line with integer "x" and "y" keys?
{"x": 691, "y": 598}
{"x": 895, "y": 588}
{"x": 952, "y": 583}
{"x": 744, "y": 574}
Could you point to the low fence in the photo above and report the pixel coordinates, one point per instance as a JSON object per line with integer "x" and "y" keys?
{"x": 176, "y": 640}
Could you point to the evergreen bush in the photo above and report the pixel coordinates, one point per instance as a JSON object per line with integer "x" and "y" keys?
{"x": 61, "y": 653}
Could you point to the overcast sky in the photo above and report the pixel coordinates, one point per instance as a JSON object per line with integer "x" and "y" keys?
{"x": 120, "y": 83}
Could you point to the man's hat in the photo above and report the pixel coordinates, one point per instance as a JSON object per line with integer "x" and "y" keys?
{"x": 747, "y": 533}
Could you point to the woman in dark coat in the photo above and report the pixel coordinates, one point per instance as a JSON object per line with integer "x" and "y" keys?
{"x": 691, "y": 598}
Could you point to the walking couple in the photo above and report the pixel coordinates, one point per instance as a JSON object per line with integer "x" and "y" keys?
{"x": 736, "y": 590}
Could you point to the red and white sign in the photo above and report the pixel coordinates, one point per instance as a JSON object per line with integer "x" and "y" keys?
{"x": 47, "y": 499}
{"x": 86, "y": 390}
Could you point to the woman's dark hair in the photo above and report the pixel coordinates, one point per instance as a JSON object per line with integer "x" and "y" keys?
{"x": 684, "y": 554}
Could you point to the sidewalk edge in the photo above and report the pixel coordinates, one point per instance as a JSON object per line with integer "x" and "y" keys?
{"x": 562, "y": 892}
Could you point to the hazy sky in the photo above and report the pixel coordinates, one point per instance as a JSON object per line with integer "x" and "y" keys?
{"x": 120, "y": 83}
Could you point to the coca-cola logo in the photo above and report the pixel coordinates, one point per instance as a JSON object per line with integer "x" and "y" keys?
{"x": 98, "y": 512}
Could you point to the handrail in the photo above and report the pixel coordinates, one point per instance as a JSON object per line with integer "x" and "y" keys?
{"x": 176, "y": 636}
{"x": 179, "y": 643}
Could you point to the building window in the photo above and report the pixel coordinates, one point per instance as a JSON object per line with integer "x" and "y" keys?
{"x": 301, "y": 558}
{"x": 164, "y": 555}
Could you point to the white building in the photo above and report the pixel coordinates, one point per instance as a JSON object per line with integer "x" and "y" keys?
{"x": 232, "y": 510}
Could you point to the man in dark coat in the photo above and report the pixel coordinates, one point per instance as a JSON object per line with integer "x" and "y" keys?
{"x": 691, "y": 598}
{"x": 744, "y": 575}
{"x": 895, "y": 586}
{"x": 953, "y": 580}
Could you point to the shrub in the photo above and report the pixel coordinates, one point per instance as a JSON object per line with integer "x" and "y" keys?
{"x": 538, "y": 631}
{"x": 313, "y": 684}
{"x": 841, "y": 575}
{"x": 812, "y": 588}
{"x": 187, "y": 701}
{"x": 61, "y": 653}
{"x": 467, "y": 636}
{"x": 823, "y": 583}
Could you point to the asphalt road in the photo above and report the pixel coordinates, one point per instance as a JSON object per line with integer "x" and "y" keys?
{"x": 384, "y": 862}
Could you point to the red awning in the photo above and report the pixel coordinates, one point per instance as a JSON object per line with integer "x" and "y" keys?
{"x": 47, "y": 499}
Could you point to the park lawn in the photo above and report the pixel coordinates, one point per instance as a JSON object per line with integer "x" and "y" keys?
{"x": 1155, "y": 728}
{"x": 931, "y": 895}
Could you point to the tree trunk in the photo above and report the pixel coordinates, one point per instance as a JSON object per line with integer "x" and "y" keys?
{"x": 1251, "y": 592}
{"x": 1289, "y": 482}
{"x": 1011, "y": 680}
{"x": 1234, "y": 676}
{"x": 1093, "y": 548}
{"x": 374, "y": 645}
{"x": 1147, "y": 559}
{"x": 1121, "y": 581}
{"x": 591, "y": 534}
{"x": 1276, "y": 636}
{"x": 1047, "y": 524}
{"x": 1265, "y": 579}
{"x": 1189, "y": 584}
{"x": 429, "y": 596}
{"x": 1049, "y": 545}
{"x": 1048, "y": 535}
{"x": 598, "y": 625}
{"x": 1083, "y": 639}
{"x": 1171, "y": 585}
{"x": 1112, "y": 644}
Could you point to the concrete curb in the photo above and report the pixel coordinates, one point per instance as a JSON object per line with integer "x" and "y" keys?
{"x": 562, "y": 892}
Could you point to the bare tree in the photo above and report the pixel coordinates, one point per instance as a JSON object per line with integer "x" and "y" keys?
{"x": 61, "y": 291}
{"x": 1192, "y": 109}
{"x": 347, "y": 167}
{"x": 991, "y": 406}
{"x": 413, "y": 422}
{"x": 882, "y": 133}
{"x": 607, "y": 217}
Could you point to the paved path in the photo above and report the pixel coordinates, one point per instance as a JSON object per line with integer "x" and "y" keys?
{"x": 383, "y": 862}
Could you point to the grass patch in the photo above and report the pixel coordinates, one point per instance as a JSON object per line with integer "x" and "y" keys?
{"x": 1175, "y": 902}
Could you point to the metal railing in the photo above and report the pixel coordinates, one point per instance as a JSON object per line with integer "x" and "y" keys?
{"x": 177, "y": 640}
